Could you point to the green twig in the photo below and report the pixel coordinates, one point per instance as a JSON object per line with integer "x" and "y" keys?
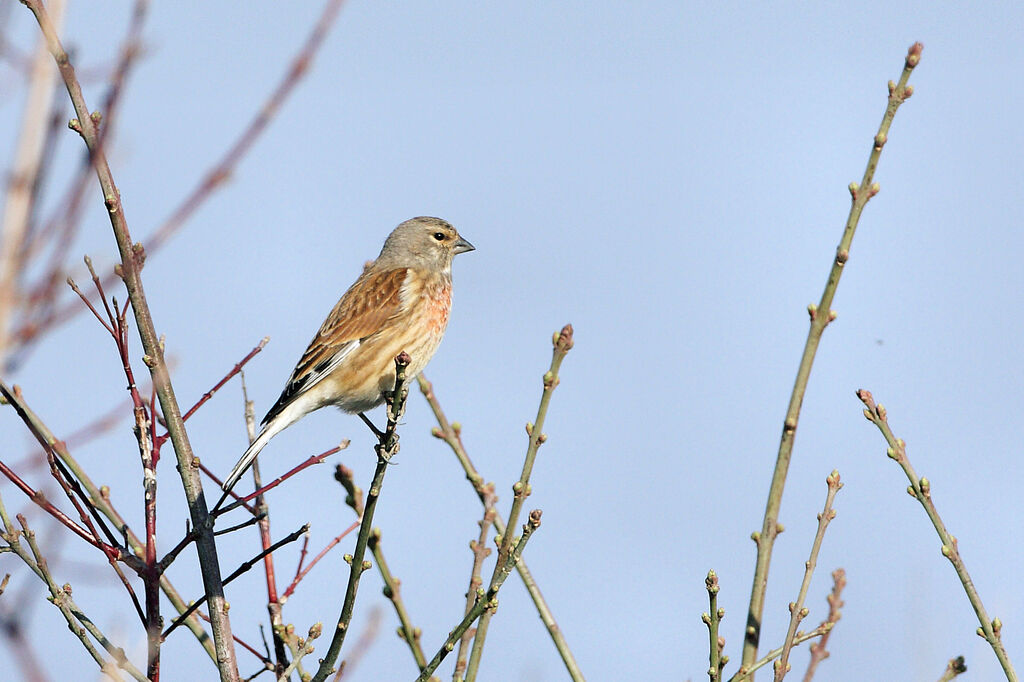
{"x": 78, "y": 623}
{"x": 484, "y": 601}
{"x": 392, "y": 585}
{"x": 562, "y": 343}
{"x": 451, "y": 433}
{"x": 921, "y": 490}
{"x": 392, "y": 590}
{"x": 821, "y": 315}
{"x": 801, "y": 637}
{"x": 797, "y": 609}
{"x": 386, "y": 448}
{"x": 132, "y": 257}
{"x": 300, "y": 648}
{"x": 712, "y": 618}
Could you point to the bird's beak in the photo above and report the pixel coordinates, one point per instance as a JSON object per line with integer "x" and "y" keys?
{"x": 462, "y": 246}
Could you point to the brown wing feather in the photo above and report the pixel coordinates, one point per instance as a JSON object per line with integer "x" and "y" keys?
{"x": 362, "y": 311}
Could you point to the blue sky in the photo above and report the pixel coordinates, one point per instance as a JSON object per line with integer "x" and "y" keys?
{"x": 672, "y": 179}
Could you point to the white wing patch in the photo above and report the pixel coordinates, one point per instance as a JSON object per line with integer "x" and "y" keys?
{"x": 325, "y": 367}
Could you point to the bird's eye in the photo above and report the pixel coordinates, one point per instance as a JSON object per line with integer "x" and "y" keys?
{"x": 439, "y": 236}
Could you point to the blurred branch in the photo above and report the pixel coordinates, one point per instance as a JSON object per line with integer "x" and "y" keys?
{"x": 218, "y": 174}
{"x": 818, "y": 651}
{"x": 22, "y": 184}
{"x": 386, "y": 448}
{"x": 59, "y": 231}
{"x": 797, "y": 609}
{"x": 362, "y": 645}
{"x": 921, "y": 490}
{"x": 132, "y": 257}
{"x": 562, "y": 343}
{"x": 821, "y": 314}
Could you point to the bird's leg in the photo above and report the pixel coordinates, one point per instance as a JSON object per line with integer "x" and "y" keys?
{"x": 366, "y": 420}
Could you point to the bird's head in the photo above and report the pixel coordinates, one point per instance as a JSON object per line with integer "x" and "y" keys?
{"x": 423, "y": 242}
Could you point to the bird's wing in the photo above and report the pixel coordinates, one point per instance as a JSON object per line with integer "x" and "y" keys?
{"x": 365, "y": 308}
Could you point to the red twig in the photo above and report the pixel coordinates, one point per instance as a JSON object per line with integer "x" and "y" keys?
{"x": 227, "y": 377}
{"x": 40, "y": 499}
{"x": 302, "y": 557}
{"x": 239, "y": 640}
{"x": 270, "y": 576}
{"x": 299, "y": 575}
{"x": 238, "y": 498}
{"x": 315, "y": 459}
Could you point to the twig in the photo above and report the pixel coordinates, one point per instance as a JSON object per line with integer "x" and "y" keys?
{"x": 955, "y": 667}
{"x": 226, "y": 378}
{"x": 712, "y": 618}
{"x": 113, "y": 551}
{"x": 131, "y": 264}
{"x": 392, "y": 590}
{"x": 79, "y": 624}
{"x": 451, "y": 433}
{"x": 303, "y": 570}
{"x": 218, "y": 510}
{"x": 392, "y": 585}
{"x": 921, "y": 490}
{"x": 269, "y": 664}
{"x": 562, "y": 343}
{"x": 386, "y": 448}
{"x": 100, "y": 499}
{"x": 263, "y": 514}
{"x": 821, "y": 314}
{"x": 213, "y": 477}
{"x": 302, "y": 649}
{"x": 801, "y": 637}
{"x": 245, "y": 566}
{"x": 797, "y": 609}
{"x": 480, "y": 552}
{"x": 484, "y": 601}
{"x": 818, "y": 651}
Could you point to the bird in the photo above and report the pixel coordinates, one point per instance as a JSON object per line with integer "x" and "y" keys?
{"x": 400, "y": 302}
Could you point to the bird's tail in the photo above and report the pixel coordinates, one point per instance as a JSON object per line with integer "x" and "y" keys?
{"x": 268, "y": 431}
